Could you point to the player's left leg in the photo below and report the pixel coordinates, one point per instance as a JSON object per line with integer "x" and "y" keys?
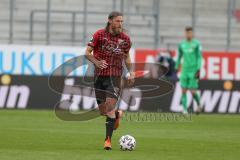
{"x": 196, "y": 97}
{"x": 118, "y": 114}
{"x": 194, "y": 85}
{"x": 115, "y": 90}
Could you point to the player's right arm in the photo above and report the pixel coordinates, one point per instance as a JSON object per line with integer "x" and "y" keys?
{"x": 94, "y": 43}
{"x": 179, "y": 56}
{"x": 98, "y": 63}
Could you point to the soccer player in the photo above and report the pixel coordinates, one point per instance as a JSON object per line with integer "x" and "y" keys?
{"x": 110, "y": 47}
{"x": 190, "y": 50}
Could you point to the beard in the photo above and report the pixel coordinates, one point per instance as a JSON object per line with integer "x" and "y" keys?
{"x": 117, "y": 30}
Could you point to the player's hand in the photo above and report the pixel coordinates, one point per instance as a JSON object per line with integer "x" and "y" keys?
{"x": 131, "y": 79}
{"x": 197, "y": 74}
{"x": 101, "y": 64}
{"x": 176, "y": 78}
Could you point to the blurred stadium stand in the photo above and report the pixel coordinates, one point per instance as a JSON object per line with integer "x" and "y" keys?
{"x": 151, "y": 23}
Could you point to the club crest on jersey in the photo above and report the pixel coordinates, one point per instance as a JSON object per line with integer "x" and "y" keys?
{"x": 120, "y": 41}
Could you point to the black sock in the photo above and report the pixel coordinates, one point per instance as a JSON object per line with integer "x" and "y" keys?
{"x": 109, "y": 127}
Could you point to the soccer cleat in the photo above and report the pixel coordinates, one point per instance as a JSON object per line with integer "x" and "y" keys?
{"x": 107, "y": 144}
{"x": 117, "y": 121}
{"x": 199, "y": 110}
{"x": 185, "y": 112}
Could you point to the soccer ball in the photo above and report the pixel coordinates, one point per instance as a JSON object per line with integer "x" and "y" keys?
{"x": 127, "y": 143}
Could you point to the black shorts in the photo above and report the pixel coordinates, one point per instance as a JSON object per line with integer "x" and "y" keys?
{"x": 106, "y": 86}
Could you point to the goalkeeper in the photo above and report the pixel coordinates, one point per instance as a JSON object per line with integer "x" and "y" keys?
{"x": 190, "y": 51}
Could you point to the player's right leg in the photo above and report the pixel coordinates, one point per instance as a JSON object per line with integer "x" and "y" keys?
{"x": 110, "y": 121}
{"x": 100, "y": 93}
{"x": 184, "y": 86}
{"x": 107, "y": 108}
{"x": 107, "y": 97}
{"x": 184, "y": 100}
{"x": 113, "y": 116}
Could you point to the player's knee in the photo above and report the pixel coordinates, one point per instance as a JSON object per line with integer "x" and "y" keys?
{"x": 184, "y": 91}
{"x": 192, "y": 92}
{"x": 102, "y": 109}
{"x": 111, "y": 113}
{"x": 110, "y": 102}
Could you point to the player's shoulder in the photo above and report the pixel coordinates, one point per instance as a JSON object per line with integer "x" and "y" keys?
{"x": 125, "y": 35}
{"x": 196, "y": 41}
{"x": 198, "y": 44}
{"x": 182, "y": 43}
{"x": 125, "y": 38}
{"x": 99, "y": 31}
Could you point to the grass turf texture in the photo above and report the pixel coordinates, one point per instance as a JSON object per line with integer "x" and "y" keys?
{"x": 38, "y": 135}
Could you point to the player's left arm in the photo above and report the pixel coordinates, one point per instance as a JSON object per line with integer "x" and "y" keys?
{"x": 128, "y": 64}
{"x": 199, "y": 60}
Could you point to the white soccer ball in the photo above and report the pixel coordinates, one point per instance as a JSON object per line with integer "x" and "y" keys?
{"x": 127, "y": 143}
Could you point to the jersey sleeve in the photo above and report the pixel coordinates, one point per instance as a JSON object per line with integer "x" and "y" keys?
{"x": 179, "y": 56}
{"x": 199, "y": 56}
{"x": 127, "y": 45}
{"x": 94, "y": 41}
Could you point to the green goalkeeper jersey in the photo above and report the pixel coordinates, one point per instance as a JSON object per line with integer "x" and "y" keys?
{"x": 190, "y": 51}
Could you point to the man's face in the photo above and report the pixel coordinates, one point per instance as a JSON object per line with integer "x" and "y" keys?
{"x": 116, "y": 24}
{"x": 189, "y": 35}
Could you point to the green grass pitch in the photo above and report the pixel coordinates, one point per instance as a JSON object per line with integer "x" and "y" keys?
{"x": 40, "y": 135}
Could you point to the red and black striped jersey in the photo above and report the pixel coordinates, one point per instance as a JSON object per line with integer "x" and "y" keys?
{"x": 111, "y": 48}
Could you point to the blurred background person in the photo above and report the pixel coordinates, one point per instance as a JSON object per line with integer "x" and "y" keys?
{"x": 190, "y": 51}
